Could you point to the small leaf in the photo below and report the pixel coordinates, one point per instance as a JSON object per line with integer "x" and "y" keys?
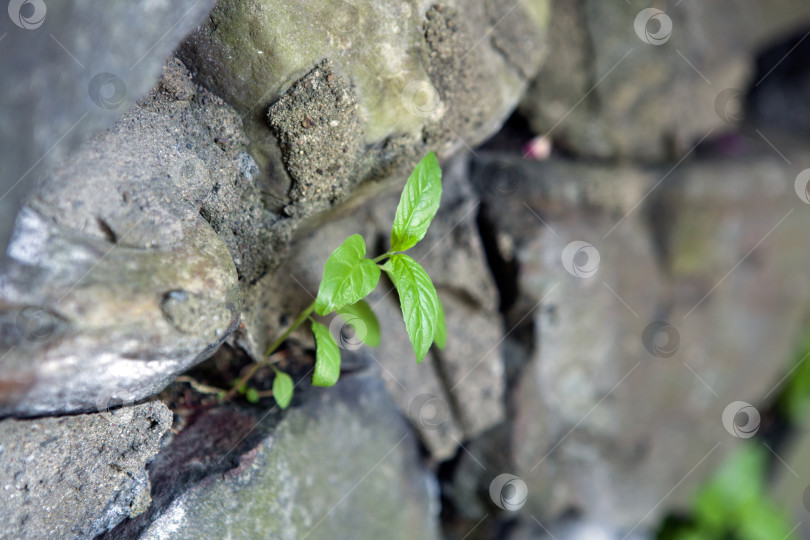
{"x": 418, "y": 299}
{"x": 418, "y": 204}
{"x": 252, "y": 395}
{"x": 282, "y": 389}
{"x": 347, "y": 276}
{"x": 361, "y": 317}
{"x": 327, "y": 357}
{"x": 440, "y": 339}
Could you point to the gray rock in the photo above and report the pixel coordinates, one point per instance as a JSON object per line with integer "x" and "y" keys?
{"x": 624, "y": 354}
{"x": 115, "y": 283}
{"x": 397, "y": 79}
{"x": 342, "y": 465}
{"x": 70, "y": 69}
{"x": 623, "y": 82}
{"x": 77, "y": 476}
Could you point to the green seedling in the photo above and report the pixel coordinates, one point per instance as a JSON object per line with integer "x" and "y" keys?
{"x": 349, "y": 276}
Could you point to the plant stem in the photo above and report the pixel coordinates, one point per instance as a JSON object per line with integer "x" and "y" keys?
{"x": 383, "y": 256}
{"x": 303, "y": 316}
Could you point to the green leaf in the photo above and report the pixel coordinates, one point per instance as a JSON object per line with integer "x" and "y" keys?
{"x": 252, "y": 395}
{"x": 327, "y": 357}
{"x": 347, "y": 276}
{"x": 282, "y": 389}
{"x": 417, "y": 204}
{"x": 418, "y": 299}
{"x": 361, "y": 317}
{"x": 440, "y": 339}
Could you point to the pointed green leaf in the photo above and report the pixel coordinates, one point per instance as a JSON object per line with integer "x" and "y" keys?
{"x": 440, "y": 339}
{"x": 417, "y": 204}
{"x": 361, "y": 317}
{"x": 327, "y": 357}
{"x": 283, "y": 389}
{"x": 418, "y": 299}
{"x": 347, "y": 276}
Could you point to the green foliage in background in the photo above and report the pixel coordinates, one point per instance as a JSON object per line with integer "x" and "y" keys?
{"x": 349, "y": 276}
{"x": 734, "y": 504}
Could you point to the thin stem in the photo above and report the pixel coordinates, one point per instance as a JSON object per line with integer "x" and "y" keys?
{"x": 383, "y": 256}
{"x": 270, "y": 350}
{"x": 200, "y": 387}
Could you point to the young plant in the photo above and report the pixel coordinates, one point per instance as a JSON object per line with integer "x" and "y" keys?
{"x": 349, "y": 276}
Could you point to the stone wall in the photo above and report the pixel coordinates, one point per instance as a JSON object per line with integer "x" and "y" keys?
{"x": 611, "y": 288}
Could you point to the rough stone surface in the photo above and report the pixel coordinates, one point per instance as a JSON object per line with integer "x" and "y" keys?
{"x": 114, "y": 287}
{"x": 320, "y": 134}
{"x": 411, "y": 77}
{"x": 77, "y": 476}
{"x": 252, "y": 51}
{"x": 70, "y": 69}
{"x": 342, "y": 465}
{"x": 605, "y": 93}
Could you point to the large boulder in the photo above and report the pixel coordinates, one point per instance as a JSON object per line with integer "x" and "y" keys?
{"x": 115, "y": 282}
{"x": 70, "y": 69}
{"x": 358, "y": 90}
